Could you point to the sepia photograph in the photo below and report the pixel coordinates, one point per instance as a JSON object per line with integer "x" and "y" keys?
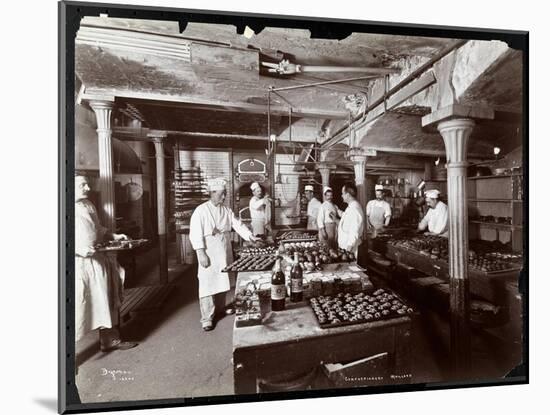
{"x": 269, "y": 207}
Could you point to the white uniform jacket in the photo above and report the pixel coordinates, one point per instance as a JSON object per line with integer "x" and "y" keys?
{"x": 313, "y": 207}
{"x": 210, "y": 229}
{"x": 437, "y": 220}
{"x": 99, "y": 278}
{"x": 350, "y": 228}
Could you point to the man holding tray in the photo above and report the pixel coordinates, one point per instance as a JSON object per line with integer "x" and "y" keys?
{"x": 210, "y": 236}
{"x": 98, "y": 276}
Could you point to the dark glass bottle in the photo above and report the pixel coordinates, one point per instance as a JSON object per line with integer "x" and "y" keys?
{"x": 278, "y": 288}
{"x": 296, "y": 281}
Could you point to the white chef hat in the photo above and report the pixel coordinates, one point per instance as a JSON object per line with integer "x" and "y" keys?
{"x": 327, "y": 189}
{"x": 308, "y": 187}
{"x": 378, "y": 187}
{"x": 254, "y": 186}
{"x": 432, "y": 194}
{"x": 217, "y": 184}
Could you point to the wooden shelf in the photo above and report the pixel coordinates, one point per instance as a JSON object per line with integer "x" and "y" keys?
{"x": 496, "y": 200}
{"x": 495, "y": 176}
{"x": 496, "y": 225}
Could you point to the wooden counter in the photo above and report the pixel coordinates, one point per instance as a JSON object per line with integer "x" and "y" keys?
{"x": 291, "y": 341}
{"x": 492, "y": 287}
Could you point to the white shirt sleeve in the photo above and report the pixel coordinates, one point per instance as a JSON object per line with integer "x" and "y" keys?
{"x": 240, "y": 227}
{"x": 440, "y": 219}
{"x": 196, "y": 230}
{"x": 423, "y": 225}
{"x": 387, "y": 210}
{"x": 321, "y": 217}
{"x": 256, "y": 203}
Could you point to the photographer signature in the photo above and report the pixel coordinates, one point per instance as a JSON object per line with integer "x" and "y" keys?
{"x": 117, "y": 374}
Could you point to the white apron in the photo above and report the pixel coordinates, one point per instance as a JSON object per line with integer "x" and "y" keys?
{"x": 312, "y": 213}
{"x": 210, "y": 229}
{"x": 258, "y": 226}
{"x": 98, "y": 293}
{"x": 99, "y": 279}
{"x": 212, "y": 280}
{"x": 377, "y": 217}
{"x": 332, "y": 232}
{"x": 260, "y": 215}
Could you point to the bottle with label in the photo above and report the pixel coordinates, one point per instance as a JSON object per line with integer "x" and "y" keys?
{"x": 296, "y": 281}
{"x": 278, "y": 288}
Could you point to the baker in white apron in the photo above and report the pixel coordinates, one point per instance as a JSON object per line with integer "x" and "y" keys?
{"x": 313, "y": 206}
{"x": 378, "y": 212}
{"x": 210, "y": 236}
{"x": 99, "y": 278}
{"x": 260, "y": 210}
{"x": 350, "y": 228}
{"x": 328, "y": 218}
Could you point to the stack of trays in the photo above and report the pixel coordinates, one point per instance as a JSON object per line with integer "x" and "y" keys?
{"x": 190, "y": 190}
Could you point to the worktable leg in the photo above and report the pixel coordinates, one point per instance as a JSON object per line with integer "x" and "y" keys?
{"x": 402, "y": 368}
{"x": 244, "y": 372}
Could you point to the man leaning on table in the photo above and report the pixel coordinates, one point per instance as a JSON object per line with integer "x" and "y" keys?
{"x": 210, "y": 236}
{"x": 436, "y": 220}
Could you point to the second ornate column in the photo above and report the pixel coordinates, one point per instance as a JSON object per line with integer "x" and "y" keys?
{"x": 359, "y": 159}
{"x": 158, "y": 140}
{"x": 456, "y": 133}
{"x": 359, "y": 163}
{"x": 324, "y": 170}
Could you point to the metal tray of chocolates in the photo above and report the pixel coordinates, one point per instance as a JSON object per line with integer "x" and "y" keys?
{"x": 345, "y": 309}
{"x": 251, "y": 263}
{"x": 122, "y": 245}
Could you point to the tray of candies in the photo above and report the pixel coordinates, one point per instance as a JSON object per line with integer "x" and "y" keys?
{"x": 311, "y": 255}
{"x": 121, "y": 245}
{"x": 345, "y": 309}
{"x": 255, "y": 251}
{"x": 261, "y": 262}
{"x": 297, "y": 236}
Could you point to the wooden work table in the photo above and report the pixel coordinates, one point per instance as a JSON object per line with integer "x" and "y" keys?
{"x": 291, "y": 341}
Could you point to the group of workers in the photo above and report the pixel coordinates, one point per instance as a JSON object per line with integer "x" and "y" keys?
{"x": 327, "y": 218}
{"x": 99, "y": 278}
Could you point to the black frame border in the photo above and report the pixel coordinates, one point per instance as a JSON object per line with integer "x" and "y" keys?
{"x": 69, "y": 15}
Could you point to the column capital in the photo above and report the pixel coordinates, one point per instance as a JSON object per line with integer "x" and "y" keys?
{"x": 460, "y": 111}
{"x": 359, "y": 158}
{"x": 102, "y": 109}
{"x": 99, "y": 104}
{"x": 325, "y": 165}
{"x": 456, "y": 133}
{"x": 157, "y": 136}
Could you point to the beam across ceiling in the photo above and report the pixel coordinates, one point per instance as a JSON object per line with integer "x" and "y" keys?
{"x": 181, "y": 101}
